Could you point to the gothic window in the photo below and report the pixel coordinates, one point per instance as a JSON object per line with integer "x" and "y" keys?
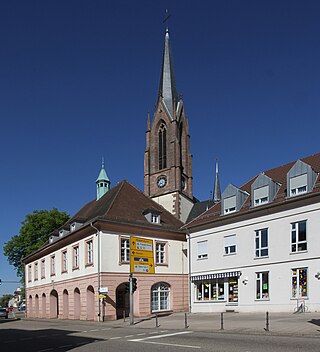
{"x": 162, "y": 146}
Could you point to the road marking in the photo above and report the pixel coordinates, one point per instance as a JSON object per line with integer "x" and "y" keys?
{"x": 114, "y": 338}
{"x": 65, "y": 346}
{"x": 153, "y": 332}
{"x": 106, "y": 329}
{"x": 95, "y": 330}
{"x": 165, "y": 335}
{"x": 129, "y": 335}
{"x": 85, "y": 331}
{"x": 144, "y": 333}
{"x": 169, "y": 344}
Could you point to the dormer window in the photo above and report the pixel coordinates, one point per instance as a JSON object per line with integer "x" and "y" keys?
{"x": 263, "y": 190}
{"x": 73, "y": 227}
{"x": 298, "y": 185}
{"x": 300, "y": 179}
{"x": 230, "y": 205}
{"x": 261, "y": 195}
{"x": 153, "y": 216}
{"x": 232, "y": 199}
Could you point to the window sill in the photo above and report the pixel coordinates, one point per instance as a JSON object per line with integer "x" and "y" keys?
{"x": 299, "y": 299}
{"x": 227, "y": 255}
{"x": 202, "y": 258}
{"x": 262, "y": 300}
{"x": 75, "y": 268}
{"x": 124, "y": 263}
{"x": 53, "y": 274}
{"x": 88, "y": 265}
{"x": 299, "y": 252}
{"x": 64, "y": 272}
{"x": 161, "y": 264}
{"x": 264, "y": 257}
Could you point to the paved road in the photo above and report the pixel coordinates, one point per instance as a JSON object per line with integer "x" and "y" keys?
{"x": 54, "y": 335}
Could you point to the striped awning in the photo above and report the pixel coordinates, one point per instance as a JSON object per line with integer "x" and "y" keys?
{"x": 216, "y": 276}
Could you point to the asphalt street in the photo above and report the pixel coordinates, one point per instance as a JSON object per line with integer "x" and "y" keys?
{"x": 58, "y": 335}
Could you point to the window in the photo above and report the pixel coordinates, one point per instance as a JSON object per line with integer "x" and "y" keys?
{"x": 36, "y": 271}
{"x": 161, "y": 253}
{"x": 43, "y": 268}
{"x": 89, "y": 252}
{"x": 262, "y": 243}
{"x": 155, "y": 219}
{"x": 229, "y": 205}
{"x": 298, "y": 185}
{"x": 261, "y": 195}
{"x": 202, "y": 249}
{"x": 75, "y": 257}
{"x": 262, "y": 285}
{"x": 162, "y": 147}
{"x": 230, "y": 246}
{"x": 73, "y": 227}
{"x": 64, "y": 264}
{"x": 53, "y": 265}
{"x": 160, "y": 297}
{"x": 210, "y": 290}
{"x": 299, "y": 283}
{"x": 29, "y": 273}
{"x": 299, "y": 236}
{"x": 124, "y": 250}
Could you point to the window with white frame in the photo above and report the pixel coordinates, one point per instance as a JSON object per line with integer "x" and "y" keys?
{"x": 64, "y": 264}
{"x": 89, "y": 252}
{"x": 124, "y": 249}
{"x": 53, "y": 264}
{"x": 298, "y": 185}
{"x": 262, "y": 285}
{"x": 160, "y": 297}
{"x": 230, "y": 244}
{"x": 261, "y": 195}
{"x": 161, "y": 252}
{"x": 43, "y": 268}
{"x": 299, "y": 236}
{"x": 229, "y": 205}
{"x": 299, "y": 280}
{"x": 155, "y": 218}
{"x": 75, "y": 258}
{"x": 202, "y": 249}
{"x": 262, "y": 243}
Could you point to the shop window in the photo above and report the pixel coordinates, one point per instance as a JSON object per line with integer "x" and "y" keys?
{"x": 262, "y": 285}
{"x": 299, "y": 236}
{"x": 233, "y": 291}
{"x": 210, "y": 290}
{"x": 262, "y": 243}
{"x": 299, "y": 279}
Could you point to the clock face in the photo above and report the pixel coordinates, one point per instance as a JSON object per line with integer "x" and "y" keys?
{"x": 162, "y": 181}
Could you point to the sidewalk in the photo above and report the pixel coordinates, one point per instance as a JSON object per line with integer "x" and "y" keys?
{"x": 245, "y": 323}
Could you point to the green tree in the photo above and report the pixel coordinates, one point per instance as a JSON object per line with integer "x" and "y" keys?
{"x": 4, "y": 300}
{"x": 33, "y": 233}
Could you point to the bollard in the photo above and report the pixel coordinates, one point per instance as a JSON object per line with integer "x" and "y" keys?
{"x": 267, "y": 322}
{"x": 221, "y": 322}
{"x": 186, "y": 321}
{"x": 157, "y": 325}
{"x": 124, "y": 315}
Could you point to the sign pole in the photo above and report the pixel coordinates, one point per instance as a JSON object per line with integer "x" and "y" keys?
{"x": 131, "y": 300}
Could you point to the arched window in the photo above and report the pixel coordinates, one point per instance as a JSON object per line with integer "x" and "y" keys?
{"x": 162, "y": 146}
{"x": 160, "y": 297}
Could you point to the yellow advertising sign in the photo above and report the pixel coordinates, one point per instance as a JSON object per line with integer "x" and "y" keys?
{"x": 141, "y": 256}
{"x": 102, "y": 296}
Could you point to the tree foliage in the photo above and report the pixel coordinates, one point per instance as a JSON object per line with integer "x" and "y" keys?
{"x": 33, "y": 233}
{"x": 4, "y": 300}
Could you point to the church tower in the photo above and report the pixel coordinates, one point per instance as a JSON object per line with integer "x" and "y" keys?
{"x": 167, "y": 158}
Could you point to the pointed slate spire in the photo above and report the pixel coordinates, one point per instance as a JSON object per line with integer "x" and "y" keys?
{"x": 102, "y": 182}
{"x": 167, "y": 88}
{"x": 216, "y": 187}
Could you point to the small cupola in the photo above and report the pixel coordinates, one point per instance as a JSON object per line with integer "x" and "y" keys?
{"x": 102, "y": 182}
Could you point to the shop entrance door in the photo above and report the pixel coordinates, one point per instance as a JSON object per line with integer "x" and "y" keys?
{"x": 233, "y": 291}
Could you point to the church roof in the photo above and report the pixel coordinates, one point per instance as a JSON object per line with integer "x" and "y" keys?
{"x": 167, "y": 87}
{"x": 212, "y": 217}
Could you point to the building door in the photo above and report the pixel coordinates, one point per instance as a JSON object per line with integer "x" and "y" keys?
{"x": 122, "y": 301}
{"x": 233, "y": 290}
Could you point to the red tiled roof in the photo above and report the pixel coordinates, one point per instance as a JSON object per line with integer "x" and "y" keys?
{"x": 278, "y": 174}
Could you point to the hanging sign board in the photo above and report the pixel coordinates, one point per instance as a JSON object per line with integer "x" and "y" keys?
{"x": 141, "y": 256}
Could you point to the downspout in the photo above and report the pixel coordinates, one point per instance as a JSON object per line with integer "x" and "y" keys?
{"x": 189, "y": 268}
{"x": 99, "y": 278}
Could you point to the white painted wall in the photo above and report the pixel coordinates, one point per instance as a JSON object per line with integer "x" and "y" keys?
{"x": 279, "y": 262}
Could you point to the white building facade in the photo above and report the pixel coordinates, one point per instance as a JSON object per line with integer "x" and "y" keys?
{"x": 259, "y": 249}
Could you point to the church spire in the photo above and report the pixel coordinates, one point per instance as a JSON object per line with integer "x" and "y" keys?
{"x": 216, "y": 187}
{"x": 167, "y": 88}
{"x": 102, "y": 182}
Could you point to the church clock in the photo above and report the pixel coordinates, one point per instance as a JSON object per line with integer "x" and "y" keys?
{"x": 162, "y": 181}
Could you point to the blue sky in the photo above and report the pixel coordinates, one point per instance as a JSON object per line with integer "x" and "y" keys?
{"x": 77, "y": 79}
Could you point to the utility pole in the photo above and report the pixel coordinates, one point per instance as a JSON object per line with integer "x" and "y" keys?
{"x": 131, "y": 300}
